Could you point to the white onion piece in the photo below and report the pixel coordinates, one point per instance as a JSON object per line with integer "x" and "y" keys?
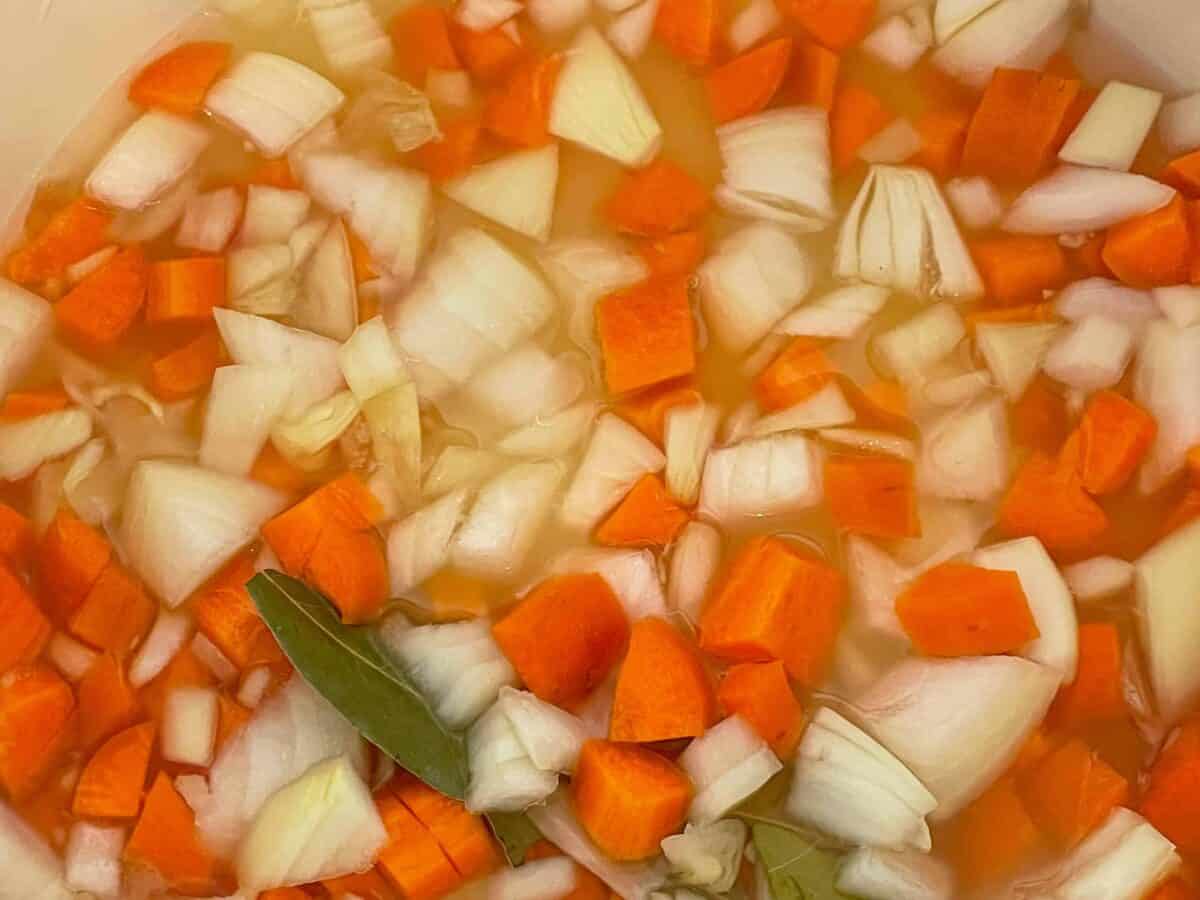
{"x": 871, "y": 442}
{"x": 1179, "y": 125}
{"x": 1164, "y": 578}
{"x": 976, "y": 201}
{"x": 69, "y": 656}
{"x": 157, "y": 218}
{"x": 957, "y": 723}
{"x": 1103, "y": 297}
{"x": 910, "y": 349}
{"x": 727, "y": 764}
{"x": 209, "y": 220}
{"x": 1074, "y": 199}
{"x": 516, "y": 191}
{"x": 949, "y": 528}
{"x": 951, "y": 16}
{"x": 322, "y": 825}
{"x": 419, "y": 545}
{"x": 551, "y": 437}
{"x": 32, "y": 869}
{"x": 617, "y": 456}
{"x": 554, "y": 16}
{"x": 776, "y": 166}
{"x": 901, "y": 40}
{"x": 503, "y": 776}
{"x": 755, "y": 21}
{"x": 262, "y": 279}
{"x": 1166, "y": 383}
{"x": 707, "y": 856}
{"x": 369, "y": 361}
{"x": 630, "y": 32}
{"x": 695, "y": 558}
{"x": 761, "y": 477}
{"x": 272, "y": 214}
{"x": 244, "y": 404}
{"x": 1013, "y": 33}
{"x": 876, "y": 580}
{"x": 1151, "y": 44}
{"x": 307, "y": 435}
{"x": 26, "y": 444}
{"x": 827, "y": 408}
{"x": 543, "y": 879}
{"x": 1098, "y": 578}
{"x": 182, "y": 523}
{"x": 954, "y": 387}
{"x": 213, "y": 659}
{"x": 93, "y": 859}
{"x": 840, "y": 314}
{"x": 599, "y": 105}
{"x": 1179, "y": 303}
{"x": 26, "y": 321}
{"x": 632, "y": 575}
{"x": 272, "y": 100}
{"x": 349, "y": 34}
{"x": 170, "y": 632}
{"x": 892, "y": 145}
{"x": 449, "y": 88}
{"x": 965, "y": 453}
{"x": 328, "y": 303}
{"x": 523, "y": 386}
{"x": 254, "y": 687}
{"x": 689, "y": 433}
{"x": 189, "y": 726}
{"x": 76, "y": 272}
{"x": 460, "y": 467}
{"x": 874, "y": 874}
{"x": 397, "y": 108}
{"x": 484, "y": 15}
{"x": 755, "y": 277}
{"x": 153, "y": 154}
{"x": 1092, "y": 354}
{"x": 393, "y": 420}
{"x": 1014, "y": 353}
{"x": 552, "y": 737}
{"x": 1112, "y": 132}
{"x": 261, "y": 14}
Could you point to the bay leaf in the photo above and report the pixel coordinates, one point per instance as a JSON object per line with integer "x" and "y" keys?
{"x": 516, "y": 834}
{"x": 796, "y": 868}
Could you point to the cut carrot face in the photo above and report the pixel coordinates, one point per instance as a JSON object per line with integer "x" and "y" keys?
{"x": 838, "y": 24}
{"x": 961, "y": 610}
{"x": 1071, "y": 791}
{"x": 872, "y": 495}
{"x": 36, "y": 708}
{"x": 421, "y": 36}
{"x": 1183, "y": 174}
{"x": 463, "y": 837}
{"x": 674, "y": 255}
{"x": 113, "y": 780}
{"x": 1026, "y": 313}
{"x": 26, "y": 629}
{"x": 99, "y": 311}
{"x": 1151, "y": 250}
{"x": 943, "y": 134}
{"x": 225, "y": 614}
{"x": 813, "y": 77}
{"x": 647, "y": 335}
{"x": 1096, "y": 694}
{"x": 350, "y": 568}
{"x": 73, "y": 234}
{"x": 688, "y": 28}
{"x": 857, "y": 116}
{"x": 165, "y": 840}
{"x": 628, "y": 798}
{"x": 30, "y": 404}
{"x": 187, "y": 370}
{"x": 107, "y": 703}
{"x": 1114, "y": 436}
{"x": 775, "y": 603}
{"x": 793, "y": 376}
{"x": 16, "y": 537}
{"x": 369, "y": 885}
{"x": 412, "y": 859}
{"x": 745, "y": 85}
{"x": 1170, "y": 801}
{"x": 1047, "y": 501}
{"x": 1018, "y": 269}
{"x": 1039, "y": 419}
{"x": 185, "y": 290}
{"x": 488, "y": 55}
{"x": 71, "y": 557}
{"x": 663, "y": 691}
{"x": 116, "y": 612}
{"x": 273, "y": 469}
{"x": 178, "y": 80}
{"x": 995, "y": 836}
{"x": 658, "y": 200}
{"x": 647, "y": 410}
{"x": 519, "y": 110}
{"x": 761, "y": 694}
{"x": 453, "y": 154}
{"x": 564, "y": 637}
{"x": 647, "y": 517}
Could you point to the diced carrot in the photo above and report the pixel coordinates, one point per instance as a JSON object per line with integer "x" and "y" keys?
{"x": 36, "y": 708}
{"x": 872, "y": 495}
{"x": 71, "y": 557}
{"x": 350, "y": 568}
{"x": 1174, "y": 889}
{"x": 647, "y": 335}
{"x": 746, "y": 84}
{"x": 957, "y": 609}
{"x": 689, "y": 29}
{"x": 1186, "y": 509}
{"x": 1039, "y": 419}
{"x": 369, "y": 885}
{"x": 463, "y": 837}
{"x": 1019, "y": 315}
{"x": 272, "y": 468}
{"x": 412, "y": 858}
{"x": 1096, "y": 694}
{"x": 518, "y": 111}
{"x": 1047, "y": 501}
{"x": 188, "y": 369}
{"x": 1071, "y": 791}
{"x": 1151, "y": 250}
{"x": 943, "y": 134}
{"x": 658, "y": 200}
{"x": 231, "y": 718}
{"x": 663, "y": 690}
{"x": 674, "y": 255}
{"x": 1020, "y": 124}
{"x": 793, "y": 376}
{"x": 73, "y": 234}
{"x": 587, "y": 885}
{"x": 890, "y": 397}
{"x": 364, "y": 266}
{"x": 487, "y": 55}
{"x": 36, "y": 402}
{"x": 275, "y": 173}
{"x": 775, "y": 603}
{"x": 185, "y": 290}
{"x": 99, "y": 311}
{"x": 453, "y": 154}
{"x": 285, "y": 893}
{"x": 761, "y": 694}
{"x": 995, "y": 837}
{"x": 1171, "y": 799}
{"x": 857, "y": 116}
{"x": 628, "y": 798}
{"x": 1183, "y": 174}
{"x": 227, "y": 617}
{"x": 26, "y": 628}
{"x": 1115, "y": 434}
{"x": 183, "y": 671}
{"x": 107, "y": 703}
{"x": 178, "y": 80}
{"x": 421, "y": 35}
{"x": 813, "y": 78}
{"x": 116, "y": 612}
{"x": 647, "y": 410}
{"x": 838, "y": 24}
{"x": 16, "y": 537}
{"x": 647, "y": 517}
{"x": 112, "y": 782}
{"x": 165, "y": 839}
{"x": 1017, "y": 269}
{"x": 564, "y": 636}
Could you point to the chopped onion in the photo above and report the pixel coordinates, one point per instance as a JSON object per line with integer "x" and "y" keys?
{"x": 1179, "y": 303}
{"x": 260, "y": 14}
{"x": 449, "y": 88}
{"x": 756, "y": 20}
{"x": 875, "y": 874}
{"x": 516, "y": 191}
{"x": 369, "y": 361}
{"x": 617, "y": 456}
{"x": 695, "y": 558}
{"x": 957, "y": 723}
{"x": 317, "y": 428}
{"x": 544, "y": 879}
{"x": 69, "y": 656}
{"x": 894, "y": 144}
{"x": 1092, "y": 354}
{"x": 182, "y": 523}
{"x": 840, "y": 314}
{"x": 754, "y": 278}
{"x": 599, "y": 105}
{"x": 272, "y": 214}
{"x": 209, "y": 220}
{"x": 1014, "y": 353}
{"x": 459, "y": 467}
{"x": 965, "y": 453}
{"x": 1179, "y": 125}
{"x": 632, "y": 575}
{"x": 776, "y": 166}
{"x": 827, "y": 408}
{"x": 1166, "y": 383}
{"x": 876, "y": 580}
{"x": 254, "y": 687}
{"x": 976, "y": 201}
{"x": 910, "y": 349}
{"x": 475, "y": 301}
{"x": 244, "y": 405}
{"x": 951, "y": 16}
{"x": 213, "y": 659}
{"x": 761, "y": 477}
{"x": 26, "y": 321}
{"x": 689, "y": 434}
{"x": 393, "y": 420}
{"x": 557, "y": 15}
{"x": 170, "y": 632}
{"x": 1112, "y": 132}
{"x": 551, "y": 437}
{"x": 25, "y": 444}
{"x": 419, "y": 545}
{"x": 504, "y": 777}
{"x": 322, "y": 825}
{"x": 525, "y": 385}
{"x": 157, "y": 218}
{"x": 349, "y": 34}
{"x": 1019, "y": 34}
{"x": 1152, "y": 43}
{"x": 32, "y": 869}
{"x": 484, "y": 15}
{"x": 262, "y": 279}
{"x": 1102, "y": 297}
{"x": 949, "y": 385}
{"x": 272, "y": 100}
{"x": 727, "y": 764}
{"x": 900, "y": 41}
{"x": 630, "y": 32}
{"x": 189, "y": 726}
{"x": 503, "y": 524}
{"x": 153, "y": 154}
{"x": 551, "y": 737}
{"x": 1074, "y": 199}
{"x": 1098, "y": 578}
{"x": 328, "y": 303}
{"x": 93, "y": 859}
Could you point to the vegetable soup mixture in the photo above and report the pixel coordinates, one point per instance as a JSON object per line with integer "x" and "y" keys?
{"x": 642, "y": 449}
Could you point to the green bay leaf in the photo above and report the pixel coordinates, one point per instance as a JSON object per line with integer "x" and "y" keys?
{"x": 796, "y": 868}
{"x": 516, "y": 834}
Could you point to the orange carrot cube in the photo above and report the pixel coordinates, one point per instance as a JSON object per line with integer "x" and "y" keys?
{"x": 745, "y": 85}
{"x": 1115, "y": 435}
{"x": 838, "y": 24}
{"x": 113, "y": 780}
{"x": 412, "y": 859}
{"x": 647, "y": 410}
{"x": 36, "y": 706}
{"x": 647, "y": 517}
{"x": 519, "y": 110}
{"x": 646, "y": 334}
{"x": 689, "y": 28}
{"x": 813, "y": 78}
{"x": 107, "y": 703}
{"x": 1047, "y": 501}
{"x": 71, "y": 557}
{"x": 793, "y": 376}
{"x": 185, "y": 290}
{"x": 1096, "y": 694}
{"x": 857, "y": 116}
{"x": 73, "y": 234}
{"x": 116, "y": 612}
{"x": 421, "y": 35}
{"x": 674, "y": 255}
{"x": 761, "y": 694}
{"x": 26, "y": 628}
{"x": 1017, "y": 269}
{"x": 872, "y": 495}
{"x": 1152, "y": 250}
{"x": 1070, "y": 792}
{"x": 658, "y": 200}
{"x": 99, "y": 311}
{"x": 165, "y": 839}
{"x": 188, "y": 369}
{"x": 178, "y": 80}
{"x": 16, "y": 537}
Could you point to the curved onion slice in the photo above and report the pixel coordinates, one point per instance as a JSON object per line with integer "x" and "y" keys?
{"x": 689, "y": 433}
{"x": 965, "y": 453}
{"x": 695, "y": 558}
{"x": 527, "y": 384}
{"x": 1112, "y": 131}
{"x": 1166, "y": 383}
{"x": 1179, "y": 125}
{"x": 244, "y": 404}
{"x": 369, "y": 361}
{"x": 209, "y": 220}
{"x": 707, "y": 856}
{"x": 876, "y": 580}
{"x": 272, "y": 214}
{"x": 1019, "y": 34}
{"x": 349, "y": 34}
{"x": 25, "y": 323}
{"x": 460, "y": 467}
{"x": 951, "y": 16}
{"x": 27, "y": 443}
{"x": 726, "y": 764}
{"x": 419, "y": 545}
{"x": 874, "y": 874}
{"x": 552, "y": 737}
{"x": 756, "y": 20}
{"x": 976, "y": 201}
{"x": 305, "y": 436}
{"x": 147, "y": 160}
{"x": 1014, "y": 353}
{"x": 504, "y": 777}
{"x": 552, "y": 437}
{"x": 1098, "y": 578}
{"x": 516, "y": 190}
{"x": 1091, "y": 354}
{"x": 1152, "y": 44}
{"x": 761, "y": 477}
{"x": 170, "y": 632}
{"x": 1073, "y": 200}
{"x": 1164, "y": 578}
{"x": 840, "y": 314}
{"x": 827, "y": 408}
{"x": 616, "y": 458}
